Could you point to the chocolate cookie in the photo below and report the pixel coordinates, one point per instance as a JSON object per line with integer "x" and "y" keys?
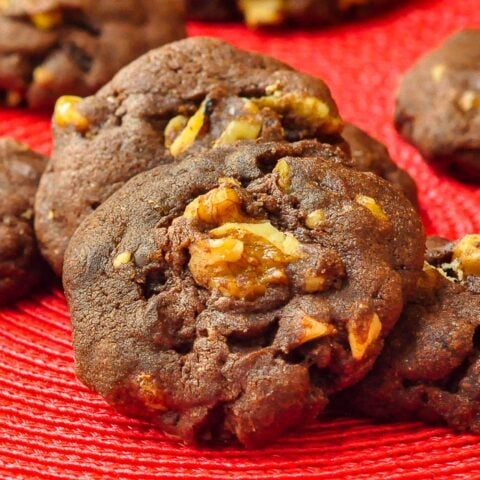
{"x": 274, "y": 13}
{"x": 50, "y": 48}
{"x": 369, "y": 155}
{"x": 430, "y": 366}
{"x": 192, "y": 94}
{"x": 438, "y": 105}
{"x": 20, "y": 263}
{"x": 230, "y": 294}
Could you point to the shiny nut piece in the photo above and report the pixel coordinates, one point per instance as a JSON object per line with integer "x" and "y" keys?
{"x": 303, "y": 107}
{"x": 122, "y": 259}
{"x": 314, "y": 329}
{"x": 241, "y": 260}
{"x": 314, "y": 283}
{"x": 371, "y": 204}
{"x": 284, "y": 174}
{"x": 191, "y": 131}
{"x": 66, "y": 113}
{"x": 173, "y": 129}
{"x": 360, "y": 337}
{"x": 240, "y": 129}
{"x": 467, "y": 254}
{"x": 150, "y": 392}
{"x": 218, "y": 206}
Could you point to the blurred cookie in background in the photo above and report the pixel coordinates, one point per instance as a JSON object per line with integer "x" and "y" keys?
{"x": 21, "y": 266}
{"x": 277, "y": 13}
{"x": 49, "y": 48}
{"x": 438, "y": 105}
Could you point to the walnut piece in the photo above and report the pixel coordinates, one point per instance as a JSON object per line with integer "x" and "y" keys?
{"x": 218, "y": 206}
{"x": 191, "y": 131}
{"x": 284, "y": 175}
{"x": 66, "y": 113}
{"x": 314, "y": 329}
{"x": 361, "y": 334}
{"x": 243, "y": 259}
{"x": 371, "y": 204}
{"x": 304, "y": 108}
{"x": 467, "y": 254}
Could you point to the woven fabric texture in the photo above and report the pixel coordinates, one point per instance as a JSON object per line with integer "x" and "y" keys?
{"x": 52, "y": 427}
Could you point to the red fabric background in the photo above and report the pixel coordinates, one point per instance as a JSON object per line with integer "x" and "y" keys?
{"x": 52, "y": 427}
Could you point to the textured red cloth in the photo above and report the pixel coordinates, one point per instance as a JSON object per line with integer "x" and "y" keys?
{"x": 52, "y": 427}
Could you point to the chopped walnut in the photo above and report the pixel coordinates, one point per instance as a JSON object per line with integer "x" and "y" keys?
{"x": 240, "y": 129}
{"x": 220, "y": 205}
{"x": 66, "y": 113}
{"x": 304, "y": 107}
{"x": 284, "y": 174}
{"x": 467, "y": 255}
{"x": 243, "y": 259}
{"x": 314, "y": 329}
{"x": 371, "y": 204}
{"x": 191, "y": 131}
{"x": 362, "y": 334}
{"x": 174, "y": 128}
{"x": 122, "y": 259}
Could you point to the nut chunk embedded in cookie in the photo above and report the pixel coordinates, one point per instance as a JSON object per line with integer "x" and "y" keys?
{"x": 430, "y": 365}
{"x": 21, "y": 266}
{"x": 230, "y": 295}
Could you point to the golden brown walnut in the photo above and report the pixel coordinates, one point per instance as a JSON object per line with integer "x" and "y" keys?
{"x": 242, "y": 259}
{"x": 361, "y": 334}
{"x": 66, "y": 114}
{"x": 467, "y": 254}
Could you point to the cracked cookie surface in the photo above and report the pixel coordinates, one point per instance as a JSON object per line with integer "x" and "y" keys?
{"x": 20, "y": 263}
{"x": 430, "y": 365}
{"x": 438, "y": 105}
{"x": 229, "y": 295}
{"x": 193, "y": 94}
{"x": 50, "y": 48}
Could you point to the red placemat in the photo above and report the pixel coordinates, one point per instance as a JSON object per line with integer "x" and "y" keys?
{"x": 52, "y": 427}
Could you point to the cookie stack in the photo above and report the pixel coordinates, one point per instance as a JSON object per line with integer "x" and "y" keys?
{"x": 235, "y": 257}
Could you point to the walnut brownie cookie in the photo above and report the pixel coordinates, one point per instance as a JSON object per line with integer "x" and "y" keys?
{"x": 50, "y": 48}
{"x": 438, "y": 105}
{"x": 430, "y": 365}
{"x": 229, "y": 295}
{"x": 20, "y": 262}
{"x": 192, "y": 94}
